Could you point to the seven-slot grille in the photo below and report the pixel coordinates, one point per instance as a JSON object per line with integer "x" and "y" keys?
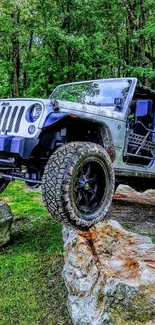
{"x": 10, "y": 118}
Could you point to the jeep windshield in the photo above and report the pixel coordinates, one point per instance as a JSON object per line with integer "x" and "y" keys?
{"x": 98, "y": 92}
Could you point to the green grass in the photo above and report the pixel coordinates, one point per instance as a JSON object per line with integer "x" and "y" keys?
{"x": 31, "y": 289}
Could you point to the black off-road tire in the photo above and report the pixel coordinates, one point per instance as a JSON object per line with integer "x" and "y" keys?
{"x": 3, "y": 185}
{"x": 58, "y": 183}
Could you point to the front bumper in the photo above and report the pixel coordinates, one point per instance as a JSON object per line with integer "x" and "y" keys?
{"x": 17, "y": 145}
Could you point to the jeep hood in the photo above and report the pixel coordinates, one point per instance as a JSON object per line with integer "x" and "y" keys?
{"x": 80, "y": 109}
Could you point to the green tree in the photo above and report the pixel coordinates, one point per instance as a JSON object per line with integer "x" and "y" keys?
{"x": 46, "y": 43}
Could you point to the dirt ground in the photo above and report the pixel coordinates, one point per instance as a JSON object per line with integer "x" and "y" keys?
{"x": 135, "y": 211}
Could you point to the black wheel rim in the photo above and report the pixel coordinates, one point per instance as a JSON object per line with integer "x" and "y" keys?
{"x": 90, "y": 184}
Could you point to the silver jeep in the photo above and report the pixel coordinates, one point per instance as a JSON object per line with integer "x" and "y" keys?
{"x": 79, "y": 145}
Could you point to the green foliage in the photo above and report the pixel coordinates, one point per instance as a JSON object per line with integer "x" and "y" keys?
{"x": 46, "y": 43}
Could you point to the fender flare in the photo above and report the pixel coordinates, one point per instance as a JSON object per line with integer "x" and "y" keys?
{"x": 54, "y": 118}
{"x": 106, "y": 140}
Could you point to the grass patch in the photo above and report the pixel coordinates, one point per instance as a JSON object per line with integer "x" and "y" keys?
{"x": 32, "y": 291}
{"x": 22, "y": 201}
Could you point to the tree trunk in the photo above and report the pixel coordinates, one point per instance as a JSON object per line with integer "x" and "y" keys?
{"x": 25, "y": 79}
{"x": 15, "y": 53}
{"x": 142, "y": 20}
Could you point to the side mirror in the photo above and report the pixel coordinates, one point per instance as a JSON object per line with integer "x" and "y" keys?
{"x": 118, "y": 102}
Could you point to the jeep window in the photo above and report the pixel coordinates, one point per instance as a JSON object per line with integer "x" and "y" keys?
{"x": 98, "y": 93}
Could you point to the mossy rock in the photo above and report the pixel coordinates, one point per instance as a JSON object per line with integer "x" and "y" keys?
{"x": 6, "y": 219}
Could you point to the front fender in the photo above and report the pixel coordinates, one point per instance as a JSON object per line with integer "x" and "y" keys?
{"x": 54, "y": 118}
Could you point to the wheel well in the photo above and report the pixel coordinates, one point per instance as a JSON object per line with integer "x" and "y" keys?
{"x": 82, "y": 130}
{"x": 75, "y": 129}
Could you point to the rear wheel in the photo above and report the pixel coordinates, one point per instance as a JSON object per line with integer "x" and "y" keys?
{"x": 78, "y": 184}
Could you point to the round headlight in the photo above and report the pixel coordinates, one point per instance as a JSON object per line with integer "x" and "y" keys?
{"x": 35, "y": 112}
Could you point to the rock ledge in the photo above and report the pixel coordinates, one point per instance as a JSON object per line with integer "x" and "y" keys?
{"x": 110, "y": 276}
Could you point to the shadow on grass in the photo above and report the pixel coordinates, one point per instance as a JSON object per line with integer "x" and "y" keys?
{"x": 36, "y": 235}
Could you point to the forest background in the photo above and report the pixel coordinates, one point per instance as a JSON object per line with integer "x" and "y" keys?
{"x": 44, "y": 43}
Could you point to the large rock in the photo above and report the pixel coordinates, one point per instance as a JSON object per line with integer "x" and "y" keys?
{"x": 6, "y": 218}
{"x": 110, "y": 276}
{"x": 125, "y": 192}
